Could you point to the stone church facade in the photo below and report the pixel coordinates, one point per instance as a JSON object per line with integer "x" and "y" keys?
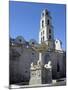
{"x": 25, "y": 61}
{"x": 21, "y": 56}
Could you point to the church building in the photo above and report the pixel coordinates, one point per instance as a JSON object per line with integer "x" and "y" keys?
{"x": 32, "y": 61}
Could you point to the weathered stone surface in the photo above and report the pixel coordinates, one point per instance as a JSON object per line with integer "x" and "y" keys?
{"x": 41, "y": 74}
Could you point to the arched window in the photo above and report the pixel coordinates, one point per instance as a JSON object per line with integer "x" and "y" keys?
{"x": 20, "y": 40}
{"x": 33, "y": 43}
{"x": 47, "y": 12}
{"x": 49, "y": 30}
{"x": 48, "y": 22}
{"x": 43, "y": 38}
{"x": 49, "y": 36}
{"x": 42, "y": 14}
{"x": 43, "y": 32}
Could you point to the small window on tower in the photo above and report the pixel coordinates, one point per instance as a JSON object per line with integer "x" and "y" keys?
{"x": 46, "y": 12}
{"x": 49, "y": 30}
{"x": 48, "y": 22}
{"x": 33, "y": 43}
{"x": 56, "y": 41}
{"x": 42, "y": 23}
{"x": 20, "y": 40}
{"x": 42, "y": 14}
{"x": 49, "y": 36}
{"x": 43, "y": 38}
{"x": 43, "y": 32}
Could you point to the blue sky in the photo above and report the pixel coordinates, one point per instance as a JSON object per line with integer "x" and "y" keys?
{"x": 25, "y": 20}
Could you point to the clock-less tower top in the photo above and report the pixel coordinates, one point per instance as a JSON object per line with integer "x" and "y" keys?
{"x": 46, "y": 32}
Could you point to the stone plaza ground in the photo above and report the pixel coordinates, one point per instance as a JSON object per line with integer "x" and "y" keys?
{"x": 59, "y": 82}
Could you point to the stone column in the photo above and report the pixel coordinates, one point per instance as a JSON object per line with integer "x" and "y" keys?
{"x": 40, "y": 56}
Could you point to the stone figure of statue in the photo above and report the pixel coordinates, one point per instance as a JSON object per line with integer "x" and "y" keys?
{"x": 39, "y": 63}
{"x": 32, "y": 64}
{"x": 48, "y": 66}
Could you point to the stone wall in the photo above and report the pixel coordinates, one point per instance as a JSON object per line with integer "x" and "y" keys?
{"x": 20, "y": 66}
{"x": 58, "y": 63}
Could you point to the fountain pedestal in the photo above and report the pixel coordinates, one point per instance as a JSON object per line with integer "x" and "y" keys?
{"x": 40, "y": 73}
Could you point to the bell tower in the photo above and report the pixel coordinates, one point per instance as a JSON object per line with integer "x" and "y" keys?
{"x": 46, "y": 32}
